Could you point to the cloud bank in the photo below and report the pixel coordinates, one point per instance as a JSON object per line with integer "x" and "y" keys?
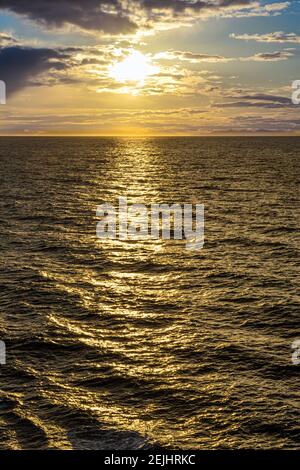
{"x": 276, "y": 37}
{"x": 129, "y": 16}
{"x": 20, "y": 65}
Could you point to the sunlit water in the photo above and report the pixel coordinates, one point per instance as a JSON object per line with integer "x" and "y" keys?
{"x": 115, "y": 344}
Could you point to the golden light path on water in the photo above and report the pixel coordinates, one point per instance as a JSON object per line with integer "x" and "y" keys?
{"x": 141, "y": 345}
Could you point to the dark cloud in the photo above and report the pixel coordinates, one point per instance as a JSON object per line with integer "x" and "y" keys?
{"x": 115, "y": 16}
{"x": 266, "y": 97}
{"x": 270, "y": 56}
{"x": 257, "y": 101}
{"x": 21, "y": 65}
{"x": 100, "y": 15}
{"x": 183, "y": 5}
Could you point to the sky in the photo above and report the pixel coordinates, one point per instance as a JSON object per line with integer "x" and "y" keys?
{"x": 149, "y": 67}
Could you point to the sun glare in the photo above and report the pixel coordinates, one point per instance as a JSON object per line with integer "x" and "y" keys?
{"x": 135, "y": 68}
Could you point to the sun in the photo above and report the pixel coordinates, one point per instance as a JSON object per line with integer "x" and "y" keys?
{"x": 135, "y": 68}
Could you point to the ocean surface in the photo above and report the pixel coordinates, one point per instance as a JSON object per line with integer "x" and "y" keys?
{"x": 131, "y": 344}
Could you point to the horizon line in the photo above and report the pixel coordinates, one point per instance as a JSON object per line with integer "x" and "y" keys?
{"x": 152, "y": 135}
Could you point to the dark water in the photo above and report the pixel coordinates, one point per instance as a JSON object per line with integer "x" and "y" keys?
{"x": 122, "y": 344}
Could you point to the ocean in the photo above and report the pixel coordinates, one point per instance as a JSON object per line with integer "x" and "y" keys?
{"x": 116, "y": 344}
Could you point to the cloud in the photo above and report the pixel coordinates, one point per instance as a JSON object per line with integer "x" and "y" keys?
{"x": 195, "y": 58}
{"x": 7, "y": 40}
{"x": 126, "y": 17}
{"x": 257, "y": 100}
{"x": 21, "y": 65}
{"x": 266, "y": 124}
{"x": 191, "y": 57}
{"x": 86, "y": 14}
{"x": 208, "y": 7}
{"x": 269, "y": 56}
{"x": 277, "y": 6}
{"x": 267, "y": 97}
{"x": 160, "y": 121}
{"x": 276, "y": 37}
